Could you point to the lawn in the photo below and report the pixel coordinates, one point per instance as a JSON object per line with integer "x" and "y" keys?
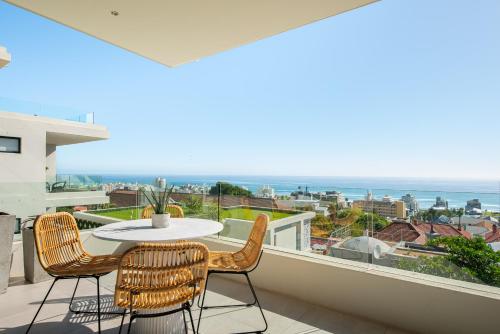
{"x": 251, "y": 214}
{"x": 124, "y": 214}
{"x": 237, "y": 213}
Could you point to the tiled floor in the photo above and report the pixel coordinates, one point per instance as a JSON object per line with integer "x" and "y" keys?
{"x": 284, "y": 315}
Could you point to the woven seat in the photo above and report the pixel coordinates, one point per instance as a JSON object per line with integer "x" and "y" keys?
{"x": 60, "y": 249}
{"x": 241, "y": 262}
{"x": 155, "y": 276}
{"x": 61, "y": 255}
{"x": 245, "y": 258}
{"x": 86, "y": 265}
{"x": 174, "y": 210}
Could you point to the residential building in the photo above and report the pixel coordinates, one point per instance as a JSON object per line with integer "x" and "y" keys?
{"x": 386, "y": 207}
{"x": 265, "y": 191}
{"x": 441, "y": 204}
{"x": 28, "y": 180}
{"x": 417, "y": 231}
{"x": 410, "y": 203}
{"x": 493, "y": 236}
{"x": 336, "y": 197}
{"x": 473, "y": 207}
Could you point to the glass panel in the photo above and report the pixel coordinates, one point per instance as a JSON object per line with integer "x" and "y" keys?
{"x": 38, "y": 109}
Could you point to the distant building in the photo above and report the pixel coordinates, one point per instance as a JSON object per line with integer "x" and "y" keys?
{"x": 337, "y": 197}
{"x": 411, "y": 203}
{"x": 265, "y": 192}
{"x": 473, "y": 207}
{"x": 441, "y": 204}
{"x": 387, "y": 207}
{"x": 418, "y": 232}
{"x": 493, "y": 236}
{"x": 160, "y": 182}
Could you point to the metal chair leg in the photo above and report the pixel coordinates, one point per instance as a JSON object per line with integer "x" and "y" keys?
{"x": 202, "y": 303}
{"x": 191, "y": 318}
{"x": 131, "y": 320}
{"x": 73, "y": 297}
{"x": 121, "y": 323}
{"x": 257, "y": 300}
{"x": 40, "y": 307}
{"x": 185, "y": 323}
{"x": 98, "y": 306}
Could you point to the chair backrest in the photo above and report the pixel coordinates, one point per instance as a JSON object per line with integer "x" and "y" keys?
{"x": 171, "y": 269}
{"x": 57, "y": 239}
{"x": 249, "y": 254}
{"x": 175, "y": 211}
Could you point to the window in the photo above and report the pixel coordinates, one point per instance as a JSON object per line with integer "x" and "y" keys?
{"x": 10, "y": 144}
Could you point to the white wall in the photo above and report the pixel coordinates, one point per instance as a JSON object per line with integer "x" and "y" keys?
{"x": 23, "y": 176}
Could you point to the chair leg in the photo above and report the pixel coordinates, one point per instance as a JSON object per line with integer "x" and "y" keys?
{"x": 257, "y": 300}
{"x": 73, "y": 296}
{"x": 121, "y": 323}
{"x": 206, "y": 283}
{"x": 40, "y": 307}
{"x": 185, "y": 323}
{"x": 131, "y": 320}
{"x": 98, "y": 306}
{"x": 202, "y": 303}
{"x": 191, "y": 318}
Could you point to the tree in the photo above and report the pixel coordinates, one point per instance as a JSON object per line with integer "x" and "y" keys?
{"x": 332, "y": 209}
{"x": 224, "y": 188}
{"x": 438, "y": 266}
{"x": 366, "y": 219}
{"x": 474, "y": 255}
{"x": 194, "y": 204}
{"x": 460, "y": 213}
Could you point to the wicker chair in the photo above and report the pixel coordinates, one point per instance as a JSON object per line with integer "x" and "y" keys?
{"x": 62, "y": 256}
{"x": 242, "y": 262}
{"x": 174, "y": 210}
{"x": 154, "y": 276}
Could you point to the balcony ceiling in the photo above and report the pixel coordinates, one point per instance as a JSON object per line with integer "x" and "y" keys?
{"x": 174, "y": 32}
{"x": 4, "y": 57}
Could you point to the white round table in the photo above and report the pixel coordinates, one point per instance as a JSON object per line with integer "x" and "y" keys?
{"x": 140, "y": 230}
{"x": 132, "y": 232}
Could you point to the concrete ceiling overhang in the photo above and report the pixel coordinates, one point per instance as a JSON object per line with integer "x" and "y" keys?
{"x": 4, "y": 57}
{"x": 175, "y": 32}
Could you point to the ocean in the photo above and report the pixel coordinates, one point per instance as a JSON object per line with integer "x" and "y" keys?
{"x": 456, "y": 192}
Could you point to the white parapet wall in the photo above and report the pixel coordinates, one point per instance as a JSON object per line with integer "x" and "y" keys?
{"x": 414, "y": 302}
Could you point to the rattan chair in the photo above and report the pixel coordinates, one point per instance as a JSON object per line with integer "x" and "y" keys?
{"x": 242, "y": 262}
{"x": 62, "y": 256}
{"x": 174, "y": 210}
{"x": 155, "y": 276}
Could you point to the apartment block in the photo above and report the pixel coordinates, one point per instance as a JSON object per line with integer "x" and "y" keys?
{"x": 386, "y": 207}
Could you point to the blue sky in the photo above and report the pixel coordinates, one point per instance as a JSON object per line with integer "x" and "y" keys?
{"x": 397, "y": 88}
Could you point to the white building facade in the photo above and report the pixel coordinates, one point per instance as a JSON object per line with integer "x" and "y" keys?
{"x": 28, "y": 147}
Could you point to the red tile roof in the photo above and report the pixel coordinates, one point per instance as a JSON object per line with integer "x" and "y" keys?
{"x": 492, "y": 236}
{"x": 416, "y": 232}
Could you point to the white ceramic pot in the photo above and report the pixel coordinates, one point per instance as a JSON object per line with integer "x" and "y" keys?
{"x": 160, "y": 220}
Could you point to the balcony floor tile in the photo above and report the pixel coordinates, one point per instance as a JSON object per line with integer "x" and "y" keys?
{"x": 285, "y": 315}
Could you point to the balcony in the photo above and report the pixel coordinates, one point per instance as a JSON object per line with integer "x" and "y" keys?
{"x": 368, "y": 278}
{"x": 75, "y": 190}
{"x": 285, "y": 314}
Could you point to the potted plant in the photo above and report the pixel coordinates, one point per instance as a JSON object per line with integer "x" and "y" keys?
{"x": 159, "y": 202}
